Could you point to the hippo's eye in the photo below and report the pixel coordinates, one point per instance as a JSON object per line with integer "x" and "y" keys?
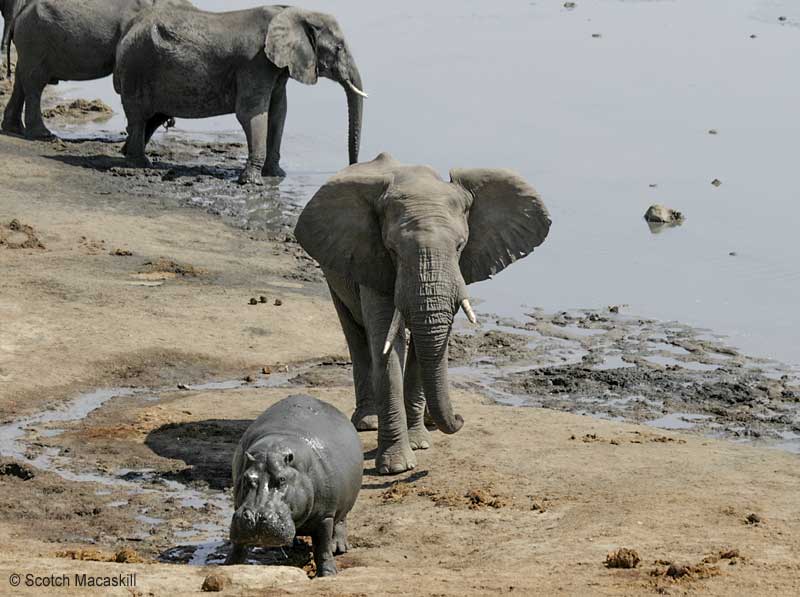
{"x": 281, "y": 480}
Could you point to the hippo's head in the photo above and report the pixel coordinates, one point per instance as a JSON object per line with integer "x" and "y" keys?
{"x": 272, "y": 497}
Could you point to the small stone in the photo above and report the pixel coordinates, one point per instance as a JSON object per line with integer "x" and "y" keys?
{"x": 249, "y": 379}
{"x": 613, "y": 309}
{"x": 653, "y": 185}
{"x": 622, "y": 558}
{"x": 278, "y": 302}
{"x": 729, "y": 554}
{"x": 662, "y": 215}
{"x": 781, "y": 19}
{"x": 733, "y": 253}
{"x": 716, "y": 182}
{"x": 183, "y": 386}
{"x": 753, "y": 518}
{"x": 214, "y": 583}
{"x": 262, "y": 299}
{"x": 122, "y": 253}
{"x": 253, "y": 301}
{"x": 677, "y": 571}
{"x": 569, "y": 5}
{"x": 753, "y": 36}
{"x": 712, "y": 131}
{"x": 266, "y": 370}
{"x": 596, "y": 35}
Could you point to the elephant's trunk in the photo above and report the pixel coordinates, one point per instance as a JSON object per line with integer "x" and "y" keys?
{"x": 430, "y": 344}
{"x": 355, "y": 111}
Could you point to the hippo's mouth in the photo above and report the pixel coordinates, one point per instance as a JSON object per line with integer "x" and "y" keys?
{"x": 262, "y": 530}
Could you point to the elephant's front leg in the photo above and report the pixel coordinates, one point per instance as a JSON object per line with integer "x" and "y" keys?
{"x": 252, "y": 113}
{"x": 394, "y": 454}
{"x": 418, "y": 435}
{"x": 277, "y": 118}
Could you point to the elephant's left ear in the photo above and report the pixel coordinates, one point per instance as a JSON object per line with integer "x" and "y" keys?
{"x": 507, "y": 221}
{"x": 289, "y": 45}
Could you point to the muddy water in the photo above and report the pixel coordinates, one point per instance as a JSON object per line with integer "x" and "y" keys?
{"x": 606, "y": 108}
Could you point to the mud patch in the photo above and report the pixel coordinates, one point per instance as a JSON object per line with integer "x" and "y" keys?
{"x": 622, "y": 558}
{"x": 15, "y": 469}
{"x": 664, "y": 374}
{"x": 80, "y": 110}
{"x": 167, "y": 268}
{"x": 122, "y": 556}
{"x": 16, "y": 235}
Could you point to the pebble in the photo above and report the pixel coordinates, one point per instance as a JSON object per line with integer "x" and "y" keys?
{"x": 716, "y": 182}
{"x": 214, "y": 583}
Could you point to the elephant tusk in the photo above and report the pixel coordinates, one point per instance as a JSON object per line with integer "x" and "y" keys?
{"x": 394, "y": 327}
{"x": 468, "y": 311}
{"x": 356, "y": 90}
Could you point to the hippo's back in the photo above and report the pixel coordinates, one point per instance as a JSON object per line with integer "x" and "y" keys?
{"x": 304, "y": 416}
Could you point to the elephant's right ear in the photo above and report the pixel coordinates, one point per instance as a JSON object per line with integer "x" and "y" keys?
{"x": 290, "y": 44}
{"x": 340, "y": 228}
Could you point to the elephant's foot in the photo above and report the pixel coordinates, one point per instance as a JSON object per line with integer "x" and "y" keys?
{"x": 419, "y": 438}
{"x": 326, "y": 568}
{"x": 13, "y": 127}
{"x": 139, "y": 161}
{"x": 273, "y": 170}
{"x": 365, "y": 420}
{"x": 250, "y": 176}
{"x": 394, "y": 460}
{"x": 340, "y": 544}
{"x": 41, "y": 133}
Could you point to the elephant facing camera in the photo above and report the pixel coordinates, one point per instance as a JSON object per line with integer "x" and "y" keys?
{"x": 398, "y": 246}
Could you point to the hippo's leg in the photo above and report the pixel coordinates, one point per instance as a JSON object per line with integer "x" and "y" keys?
{"x": 418, "y": 435}
{"x": 340, "y": 544}
{"x": 237, "y": 556}
{"x": 365, "y": 417}
{"x": 322, "y": 541}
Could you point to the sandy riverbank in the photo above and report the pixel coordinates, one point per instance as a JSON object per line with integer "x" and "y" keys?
{"x": 522, "y": 501}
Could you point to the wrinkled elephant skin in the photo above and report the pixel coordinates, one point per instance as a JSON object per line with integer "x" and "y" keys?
{"x": 398, "y": 246}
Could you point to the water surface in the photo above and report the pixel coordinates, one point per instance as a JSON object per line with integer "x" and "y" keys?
{"x": 594, "y": 106}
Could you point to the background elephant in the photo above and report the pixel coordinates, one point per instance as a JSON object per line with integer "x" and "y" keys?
{"x": 64, "y": 40}
{"x": 7, "y": 8}
{"x": 199, "y": 64}
{"x": 398, "y": 245}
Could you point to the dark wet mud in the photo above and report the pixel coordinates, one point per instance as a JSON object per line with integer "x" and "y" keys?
{"x": 609, "y": 365}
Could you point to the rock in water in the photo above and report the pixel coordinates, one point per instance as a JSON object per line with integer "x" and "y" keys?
{"x": 663, "y": 215}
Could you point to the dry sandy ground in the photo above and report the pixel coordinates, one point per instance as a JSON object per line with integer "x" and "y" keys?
{"x": 521, "y": 501}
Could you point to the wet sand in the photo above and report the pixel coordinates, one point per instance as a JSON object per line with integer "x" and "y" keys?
{"x": 128, "y": 290}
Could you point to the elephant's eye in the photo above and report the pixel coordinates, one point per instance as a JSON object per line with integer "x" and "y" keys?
{"x": 461, "y": 244}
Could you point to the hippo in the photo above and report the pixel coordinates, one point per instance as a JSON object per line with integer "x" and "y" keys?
{"x": 297, "y": 471}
